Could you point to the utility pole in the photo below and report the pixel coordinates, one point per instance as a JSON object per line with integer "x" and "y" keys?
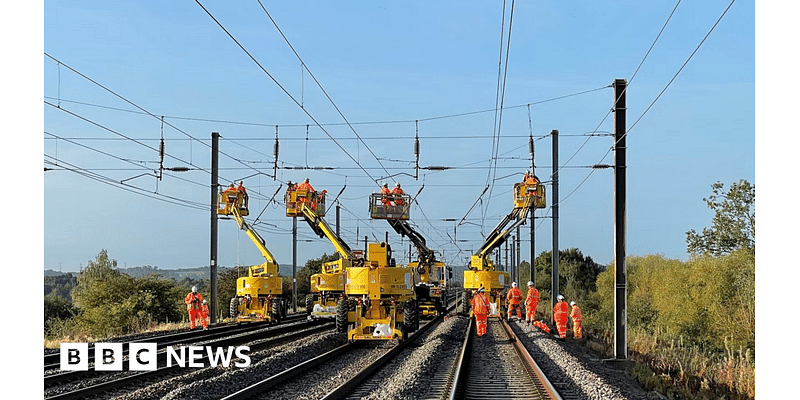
{"x": 555, "y": 287}
{"x": 212, "y": 310}
{"x": 533, "y": 236}
{"x": 620, "y": 273}
{"x": 519, "y": 257}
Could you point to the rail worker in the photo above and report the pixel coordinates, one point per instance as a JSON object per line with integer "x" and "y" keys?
{"x": 480, "y": 308}
{"x": 204, "y": 314}
{"x": 398, "y": 195}
{"x": 541, "y": 325}
{"x": 530, "y": 179}
{"x": 531, "y": 301}
{"x": 386, "y": 195}
{"x": 243, "y": 191}
{"x": 306, "y": 185}
{"x": 514, "y": 298}
{"x": 576, "y": 316}
{"x": 561, "y": 316}
{"x": 193, "y": 301}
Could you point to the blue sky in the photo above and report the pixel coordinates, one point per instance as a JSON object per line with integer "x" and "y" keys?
{"x": 385, "y": 65}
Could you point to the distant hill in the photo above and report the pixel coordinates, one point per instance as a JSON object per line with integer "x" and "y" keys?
{"x": 176, "y": 274}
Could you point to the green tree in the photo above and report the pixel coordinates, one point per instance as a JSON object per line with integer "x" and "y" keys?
{"x": 110, "y": 302}
{"x": 734, "y": 223}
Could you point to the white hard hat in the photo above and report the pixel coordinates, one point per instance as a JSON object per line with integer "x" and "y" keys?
{"x": 397, "y": 184}
{"x": 306, "y": 180}
{"x": 240, "y": 182}
{"x": 480, "y": 289}
{"x": 513, "y": 284}
{"x": 530, "y": 283}
{"x": 204, "y": 301}
{"x": 571, "y": 303}
{"x": 561, "y": 297}
{"x": 194, "y": 289}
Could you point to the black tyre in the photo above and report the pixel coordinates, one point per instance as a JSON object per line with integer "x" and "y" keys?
{"x": 234, "y": 308}
{"x": 309, "y": 304}
{"x": 276, "y": 310}
{"x": 465, "y": 302}
{"x": 342, "y": 307}
{"x": 410, "y": 316}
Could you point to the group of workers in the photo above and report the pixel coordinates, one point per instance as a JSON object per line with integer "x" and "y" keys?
{"x": 235, "y": 191}
{"x": 481, "y": 307}
{"x": 197, "y": 308}
{"x": 389, "y": 196}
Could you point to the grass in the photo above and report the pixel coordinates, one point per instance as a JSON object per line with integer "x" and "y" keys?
{"x": 681, "y": 370}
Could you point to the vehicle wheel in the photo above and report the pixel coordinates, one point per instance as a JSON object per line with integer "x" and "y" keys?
{"x": 309, "y": 304}
{"x": 342, "y": 308}
{"x": 276, "y": 310}
{"x": 410, "y": 314}
{"x": 234, "y": 308}
{"x": 465, "y": 299}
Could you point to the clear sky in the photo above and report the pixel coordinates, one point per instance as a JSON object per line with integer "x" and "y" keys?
{"x": 112, "y": 70}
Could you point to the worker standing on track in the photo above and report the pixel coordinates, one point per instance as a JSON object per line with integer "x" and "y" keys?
{"x": 531, "y": 301}
{"x": 576, "y": 316}
{"x": 514, "y": 298}
{"x": 398, "y": 195}
{"x": 204, "y": 314}
{"x": 193, "y": 301}
{"x": 561, "y": 316}
{"x": 480, "y": 308}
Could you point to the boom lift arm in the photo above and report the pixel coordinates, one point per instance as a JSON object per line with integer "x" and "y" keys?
{"x": 425, "y": 254}
{"x": 254, "y": 236}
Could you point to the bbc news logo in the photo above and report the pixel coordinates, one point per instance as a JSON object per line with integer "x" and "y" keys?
{"x": 144, "y": 356}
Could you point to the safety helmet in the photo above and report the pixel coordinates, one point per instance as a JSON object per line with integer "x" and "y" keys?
{"x": 571, "y": 303}
{"x": 240, "y": 183}
{"x": 527, "y": 172}
{"x": 480, "y": 289}
{"x": 204, "y": 301}
{"x": 288, "y": 182}
{"x": 194, "y": 289}
{"x": 530, "y": 283}
{"x": 560, "y": 297}
{"x": 306, "y": 180}
{"x": 513, "y": 284}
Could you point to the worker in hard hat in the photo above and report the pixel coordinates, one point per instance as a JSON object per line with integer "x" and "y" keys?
{"x": 531, "y": 301}
{"x": 398, "y": 195}
{"x": 311, "y": 194}
{"x": 561, "y": 316}
{"x": 243, "y": 192}
{"x": 513, "y": 299}
{"x": 576, "y": 316}
{"x": 204, "y": 314}
{"x": 386, "y": 195}
{"x": 480, "y": 308}
{"x": 305, "y": 185}
{"x": 193, "y": 301}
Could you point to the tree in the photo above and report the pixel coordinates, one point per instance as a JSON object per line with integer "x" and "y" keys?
{"x": 734, "y": 223}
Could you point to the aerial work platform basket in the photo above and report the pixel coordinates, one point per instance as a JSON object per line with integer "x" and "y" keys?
{"x": 230, "y": 198}
{"x": 295, "y": 198}
{"x": 389, "y": 206}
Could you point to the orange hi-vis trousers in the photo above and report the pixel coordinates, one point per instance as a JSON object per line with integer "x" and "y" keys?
{"x": 480, "y": 324}
{"x": 561, "y": 317}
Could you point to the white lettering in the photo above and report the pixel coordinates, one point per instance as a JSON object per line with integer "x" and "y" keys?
{"x": 244, "y": 357}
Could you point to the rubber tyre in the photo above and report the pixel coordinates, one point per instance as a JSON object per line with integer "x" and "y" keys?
{"x": 465, "y": 300}
{"x": 276, "y": 310}
{"x": 309, "y": 304}
{"x": 342, "y": 307}
{"x": 234, "y": 309}
{"x": 410, "y": 316}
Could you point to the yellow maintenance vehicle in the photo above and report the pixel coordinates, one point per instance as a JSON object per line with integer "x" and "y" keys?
{"x": 528, "y": 195}
{"x": 364, "y": 291}
{"x": 259, "y": 295}
{"x": 430, "y": 274}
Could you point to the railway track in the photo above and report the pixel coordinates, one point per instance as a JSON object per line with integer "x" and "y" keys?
{"x": 497, "y": 365}
{"x": 92, "y": 383}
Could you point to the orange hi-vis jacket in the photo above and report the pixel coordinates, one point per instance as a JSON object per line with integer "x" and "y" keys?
{"x": 533, "y": 297}
{"x": 305, "y": 186}
{"x": 514, "y": 296}
{"x": 561, "y": 311}
{"x": 575, "y": 314}
{"x": 480, "y": 304}
{"x": 398, "y": 200}
{"x": 204, "y": 310}
{"x": 193, "y": 301}
{"x": 542, "y": 326}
